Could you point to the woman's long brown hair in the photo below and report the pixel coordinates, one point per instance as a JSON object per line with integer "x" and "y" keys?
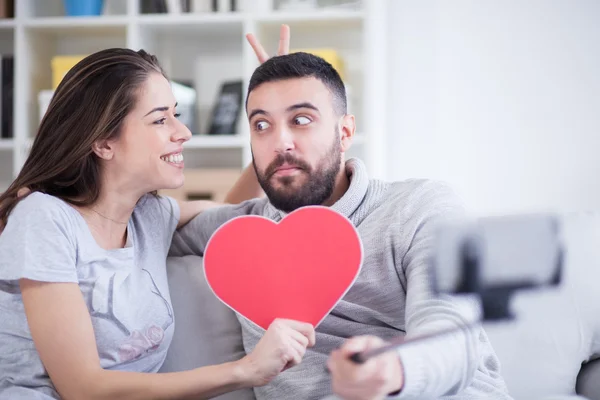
{"x": 90, "y": 104}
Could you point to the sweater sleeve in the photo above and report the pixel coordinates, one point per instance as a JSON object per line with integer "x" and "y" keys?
{"x": 192, "y": 238}
{"x": 463, "y": 360}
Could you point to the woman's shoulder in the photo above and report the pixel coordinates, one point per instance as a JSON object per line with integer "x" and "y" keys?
{"x": 42, "y": 213}
{"x": 157, "y": 216}
{"x": 39, "y": 241}
{"x": 42, "y": 204}
{"x": 152, "y": 206}
{"x": 37, "y": 219}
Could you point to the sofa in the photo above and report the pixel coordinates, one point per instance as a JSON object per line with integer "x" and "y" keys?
{"x": 546, "y": 351}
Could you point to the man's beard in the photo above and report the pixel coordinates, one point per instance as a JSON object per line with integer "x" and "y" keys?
{"x": 318, "y": 187}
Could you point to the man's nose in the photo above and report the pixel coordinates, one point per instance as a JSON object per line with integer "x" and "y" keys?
{"x": 285, "y": 140}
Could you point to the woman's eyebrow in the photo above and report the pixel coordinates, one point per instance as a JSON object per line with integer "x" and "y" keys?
{"x": 163, "y": 108}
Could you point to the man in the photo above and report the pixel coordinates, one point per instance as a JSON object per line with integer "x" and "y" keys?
{"x": 300, "y": 131}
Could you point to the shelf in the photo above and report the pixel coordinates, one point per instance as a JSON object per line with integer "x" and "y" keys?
{"x": 184, "y": 23}
{"x": 78, "y": 25}
{"x": 7, "y": 23}
{"x": 329, "y": 17}
{"x": 174, "y": 20}
{"x": 7, "y": 144}
{"x": 217, "y": 142}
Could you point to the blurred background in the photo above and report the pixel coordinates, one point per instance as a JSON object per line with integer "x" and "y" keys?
{"x": 500, "y": 98}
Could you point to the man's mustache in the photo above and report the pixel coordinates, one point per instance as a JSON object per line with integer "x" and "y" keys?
{"x": 285, "y": 159}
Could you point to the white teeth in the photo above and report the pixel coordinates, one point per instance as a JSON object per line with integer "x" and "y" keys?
{"x": 173, "y": 158}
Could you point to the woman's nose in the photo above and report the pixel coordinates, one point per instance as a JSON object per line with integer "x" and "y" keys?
{"x": 182, "y": 133}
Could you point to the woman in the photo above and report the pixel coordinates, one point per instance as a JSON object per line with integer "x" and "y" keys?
{"x": 83, "y": 286}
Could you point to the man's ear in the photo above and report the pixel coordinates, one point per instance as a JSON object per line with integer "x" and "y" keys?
{"x": 347, "y": 130}
{"x": 104, "y": 149}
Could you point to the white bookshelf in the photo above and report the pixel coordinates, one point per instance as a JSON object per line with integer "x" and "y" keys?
{"x": 7, "y": 144}
{"x": 204, "y": 49}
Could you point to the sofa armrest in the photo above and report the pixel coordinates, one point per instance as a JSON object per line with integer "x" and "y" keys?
{"x": 588, "y": 380}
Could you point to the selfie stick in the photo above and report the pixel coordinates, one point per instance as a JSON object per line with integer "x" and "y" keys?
{"x": 493, "y": 259}
{"x": 396, "y": 344}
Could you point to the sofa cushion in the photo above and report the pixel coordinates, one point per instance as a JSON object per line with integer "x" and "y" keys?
{"x": 554, "y": 330}
{"x": 588, "y": 382}
{"x": 206, "y": 331}
{"x": 542, "y": 349}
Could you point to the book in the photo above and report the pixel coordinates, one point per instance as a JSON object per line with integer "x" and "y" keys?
{"x": 7, "y": 83}
{"x": 227, "y": 109}
{"x": 7, "y": 9}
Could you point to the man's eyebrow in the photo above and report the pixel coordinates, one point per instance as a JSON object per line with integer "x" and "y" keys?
{"x": 302, "y": 105}
{"x": 290, "y": 108}
{"x": 257, "y": 112}
{"x": 163, "y": 108}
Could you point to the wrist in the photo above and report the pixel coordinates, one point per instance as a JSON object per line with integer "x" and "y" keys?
{"x": 243, "y": 372}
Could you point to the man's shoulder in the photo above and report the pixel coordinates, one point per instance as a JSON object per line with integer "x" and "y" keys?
{"x": 247, "y": 207}
{"x": 417, "y": 196}
{"x": 216, "y": 216}
{"x": 419, "y": 190}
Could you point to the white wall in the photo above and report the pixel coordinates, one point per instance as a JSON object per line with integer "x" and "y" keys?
{"x": 499, "y": 98}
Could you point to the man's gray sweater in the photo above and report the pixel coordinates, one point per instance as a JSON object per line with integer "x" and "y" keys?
{"x": 390, "y": 298}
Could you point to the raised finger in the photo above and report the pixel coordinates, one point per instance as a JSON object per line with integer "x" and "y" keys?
{"x": 260, "y": 52}
{"x": 284, "y": 40}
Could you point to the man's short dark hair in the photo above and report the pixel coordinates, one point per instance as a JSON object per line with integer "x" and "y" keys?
{"x": 301, "y": 65}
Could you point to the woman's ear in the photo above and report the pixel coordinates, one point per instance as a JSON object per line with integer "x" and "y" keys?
{"x": 104, "y": 149}
{"x": 347, "y": 130}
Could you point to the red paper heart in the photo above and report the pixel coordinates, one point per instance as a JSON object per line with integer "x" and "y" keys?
{"x": 296, "y": 269}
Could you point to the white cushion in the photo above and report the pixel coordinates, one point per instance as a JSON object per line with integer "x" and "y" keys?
{"x": 541, "y": 351}
{"x": 206, "y": 331}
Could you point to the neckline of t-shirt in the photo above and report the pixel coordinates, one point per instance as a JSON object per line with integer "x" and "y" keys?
{"x": 126, "y": 251}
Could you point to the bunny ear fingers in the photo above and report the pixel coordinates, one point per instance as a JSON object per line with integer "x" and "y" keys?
{"x": 260, "y": 52}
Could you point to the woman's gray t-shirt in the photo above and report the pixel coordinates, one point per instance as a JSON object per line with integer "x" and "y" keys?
{"x": 125, "y": 290}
